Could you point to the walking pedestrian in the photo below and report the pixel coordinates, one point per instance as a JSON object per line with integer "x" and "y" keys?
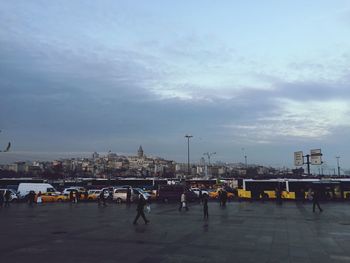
{"x": 39, "y": 199}
{"x": 302, "y": 195}
{"x": 77, "y": 196}
{"x": 200, "y": 195}
{"x": 278, "y": 195}
{"x": 1, "y": 199}
{"x": 31, "y": 198}
{"x": 7, "y": 198}
{"x": 220, "y": 196}
{"x": 102, "y": 199}
{"x": 223, "y": 197}
{"x": 71, "y": 196}
{"x": 140, "y": 210}
{"x": 205, "y": 207}
{"x": 315, "y": 200}
{"x": 128, "y": 196}
{"x": 110, "y": 195}
{"x": 183, "y": 202}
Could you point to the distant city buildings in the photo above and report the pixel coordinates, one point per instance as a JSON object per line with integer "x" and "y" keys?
{"x": 113, "y": 165}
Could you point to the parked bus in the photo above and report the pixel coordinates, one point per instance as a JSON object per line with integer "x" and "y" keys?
{"x": 295, "y": 189}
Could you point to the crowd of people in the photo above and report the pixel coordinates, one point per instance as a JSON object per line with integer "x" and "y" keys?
{"x": 5, "y": 199}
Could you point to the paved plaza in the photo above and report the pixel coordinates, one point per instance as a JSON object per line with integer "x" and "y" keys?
{"x": 242, "y": 232}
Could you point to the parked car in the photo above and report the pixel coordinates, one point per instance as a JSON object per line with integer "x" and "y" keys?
{"x": 119, "y": 195}
{"x": 196, "y": 191}
{"x": 50, "y": 197}
{"x": 139, "y": 191}
{"x": 168, "y": 193}
{"x": 136, "y": 192}
{"x": 13, "y": 196}
{"x": 74, "y": 189}
{"x": 25, "y": 188}
{"x": 150, "y": 190}
{"x": 215, "y": 194}
{"x": 108, "y": 192}
{"x": 94, "y": 194}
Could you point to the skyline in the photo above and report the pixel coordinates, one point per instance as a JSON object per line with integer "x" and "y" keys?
{"x": 272, "y": 78}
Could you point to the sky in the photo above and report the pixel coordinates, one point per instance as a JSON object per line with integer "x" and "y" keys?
{"x": 257, "y": 78}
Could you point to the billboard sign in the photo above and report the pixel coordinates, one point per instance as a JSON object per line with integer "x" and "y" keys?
{"x": 316, "y": 157}
{"x": 298, "y": 158}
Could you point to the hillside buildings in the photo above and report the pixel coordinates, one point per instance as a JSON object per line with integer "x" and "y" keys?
{"x": 112, "y": 165}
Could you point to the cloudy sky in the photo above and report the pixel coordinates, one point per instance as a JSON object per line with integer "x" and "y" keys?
{"x": 261, "y": 78}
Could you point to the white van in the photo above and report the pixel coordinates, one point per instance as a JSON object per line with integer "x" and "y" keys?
{"x": 120, "y": 194}
{"x": 25, "y": 188}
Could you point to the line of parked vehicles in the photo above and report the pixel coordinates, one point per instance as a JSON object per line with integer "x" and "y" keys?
{"x": 118, "y": 194}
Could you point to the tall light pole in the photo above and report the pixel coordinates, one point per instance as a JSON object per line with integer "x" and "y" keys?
{"x": 338, "y": 157}
{"x": 188, "y": 152}
{"x": 209, "y": 155}
{"x": 245, "y": 157}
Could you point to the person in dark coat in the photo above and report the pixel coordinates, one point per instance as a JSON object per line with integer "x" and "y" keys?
{"x": 31, "y": 198}
{"x": 302, "y": 195}
{"x": 1, "y": 199}
{"x": 279, "y": 195}
{"x": 102, "y": 199}
{"x": 71, "y": 196}
{"x": 140, "y": 207}
{"x": 128, "y": 196}
{"x": 7, "y": 198}
{"x": 200, "y": 195}
{"x": 223, "y": 197}
{"x": 110, "y": 195}
{"x": 205, "y": 207}
{"x": 315, "y": 199}
{"x": 77, "y": 196}
{"x": 220, "y": 197}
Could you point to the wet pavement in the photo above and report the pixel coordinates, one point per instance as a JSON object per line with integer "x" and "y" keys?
{"x": 242, "y": 232}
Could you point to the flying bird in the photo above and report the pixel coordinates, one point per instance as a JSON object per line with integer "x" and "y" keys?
{"x": 7, "y": 148}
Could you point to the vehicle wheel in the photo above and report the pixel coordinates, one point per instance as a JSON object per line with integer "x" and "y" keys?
{"x": 119, "y": 200}
{"x": 14, "y": 201}
{"x": 90, "y": 198}
{"x": 59, "y": 200}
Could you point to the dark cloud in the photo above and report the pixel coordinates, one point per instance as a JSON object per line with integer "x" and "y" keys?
{"x": 63, "y": 89}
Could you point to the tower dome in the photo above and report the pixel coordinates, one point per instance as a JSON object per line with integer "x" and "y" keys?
{"x": 140, "y": 152}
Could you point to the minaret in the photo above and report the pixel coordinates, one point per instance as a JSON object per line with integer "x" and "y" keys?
{"x": 140, "y": 152}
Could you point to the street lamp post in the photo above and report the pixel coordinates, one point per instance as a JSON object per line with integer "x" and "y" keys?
{"x": 245, "y": 157}
{"x": 188, "y": 152}
{"x": 209, "y": 155}
{"x": 338, "y": 157}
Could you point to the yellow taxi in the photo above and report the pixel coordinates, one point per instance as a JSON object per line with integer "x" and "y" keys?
{"x": 215, "y": 194}
{"x": 50, "y": 197}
